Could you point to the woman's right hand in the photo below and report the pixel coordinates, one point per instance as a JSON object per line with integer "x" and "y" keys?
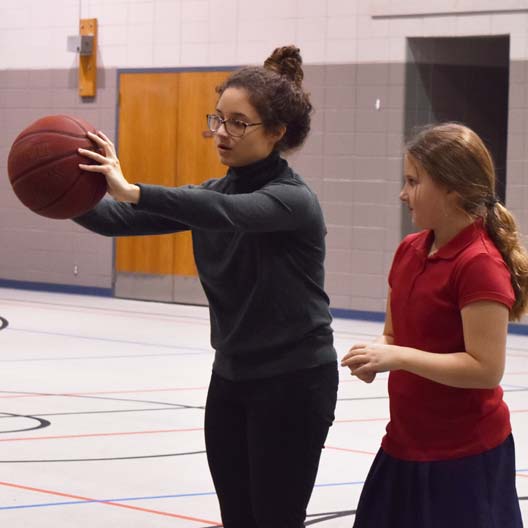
{"x": 109, "y": 166}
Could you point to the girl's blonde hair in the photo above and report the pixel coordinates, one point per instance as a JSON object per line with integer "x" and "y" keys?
{"x": 455, "y": 157}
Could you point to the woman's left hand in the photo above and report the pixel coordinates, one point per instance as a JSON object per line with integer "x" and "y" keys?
{"x": 109, "y": 166}
{"x": 372, "y": 357}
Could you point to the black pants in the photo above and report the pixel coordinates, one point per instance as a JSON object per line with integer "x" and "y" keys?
{"x": 264, "y": 439}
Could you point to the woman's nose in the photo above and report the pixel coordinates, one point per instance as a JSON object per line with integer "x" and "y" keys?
{"x": 221, "y": 130}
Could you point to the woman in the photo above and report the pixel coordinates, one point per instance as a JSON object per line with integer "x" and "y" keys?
{"x": 447, "y": 459}
{"x": 258, "y": 240}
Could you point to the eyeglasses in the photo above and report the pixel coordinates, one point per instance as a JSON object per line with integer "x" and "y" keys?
{"x": 234, "y": 127}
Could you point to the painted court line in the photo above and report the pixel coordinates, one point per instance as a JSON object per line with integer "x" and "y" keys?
{"x": 155, "y": 431}
{"x": 153, "y": 497}
{"x": 92, "y": 435}
{"x": 126, "y": 499}
{"x": 193, "y": 350}
{"x": 134, "y": 391}
{"x": 107, "y": 310}
{"x": 109, "y": 503}
{"x": 353, "y": 420}
{"x": 350, "y": 450}
{"x": 161, "y": 497}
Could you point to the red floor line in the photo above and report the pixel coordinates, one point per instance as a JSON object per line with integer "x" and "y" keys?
{"x": 109, "y": 503}
{"x": 350, "y": 450}
{"x": 173, "y": 389}
{"x": 92, "y": 435}
{"x": 155, "y": 431}
{"x": 134, "y": 391}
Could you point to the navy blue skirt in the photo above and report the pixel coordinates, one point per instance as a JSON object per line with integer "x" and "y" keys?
{"x": 471, "y": 492}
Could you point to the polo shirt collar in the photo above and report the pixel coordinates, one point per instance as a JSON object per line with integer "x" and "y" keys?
{"x": 453, "y": 247}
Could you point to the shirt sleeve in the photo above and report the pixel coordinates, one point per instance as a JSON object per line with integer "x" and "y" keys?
{"x": 484, "y": 278}
{"x": 276, "y": 207}
{"x": 111, "y": 218}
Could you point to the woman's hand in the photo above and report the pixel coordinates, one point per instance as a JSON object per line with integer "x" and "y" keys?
{"x": 108, "y": 165}
{"x": 365, "y": 360}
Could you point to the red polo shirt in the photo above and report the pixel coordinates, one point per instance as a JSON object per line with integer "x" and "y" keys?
{"x": 429, "y": 420}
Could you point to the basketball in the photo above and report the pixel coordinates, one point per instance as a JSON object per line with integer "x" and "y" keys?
{"x": 43, "y": 168}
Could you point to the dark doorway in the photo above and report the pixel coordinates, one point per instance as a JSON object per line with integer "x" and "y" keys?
{"x": 462, "y": 79}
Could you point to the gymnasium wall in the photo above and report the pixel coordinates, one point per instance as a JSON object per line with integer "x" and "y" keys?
{"x": 355, "y": 54}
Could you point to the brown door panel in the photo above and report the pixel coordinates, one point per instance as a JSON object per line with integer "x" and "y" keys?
{"x": 161, "y": 141}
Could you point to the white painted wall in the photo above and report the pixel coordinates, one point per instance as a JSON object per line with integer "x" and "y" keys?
{"x": 172, "y": 33}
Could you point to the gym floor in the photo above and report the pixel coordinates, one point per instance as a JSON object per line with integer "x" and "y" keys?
{"x": 101, "y": 417}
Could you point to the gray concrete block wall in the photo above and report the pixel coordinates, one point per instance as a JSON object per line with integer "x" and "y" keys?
{"x": 37, "y": 249}
{"x": 352, "y": 160}
{"x": 517, "y": 165}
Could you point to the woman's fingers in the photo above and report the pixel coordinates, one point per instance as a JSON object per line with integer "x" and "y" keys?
{"x": 104, "y": 142}
{"x": 90, "y": 168}
{"x": 92, "y": 155}
{"x": 97, "y": 139}
{"x": 105, "y": 137}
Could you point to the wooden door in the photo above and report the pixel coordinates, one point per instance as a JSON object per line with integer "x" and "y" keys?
{"x": 161, "y": 141}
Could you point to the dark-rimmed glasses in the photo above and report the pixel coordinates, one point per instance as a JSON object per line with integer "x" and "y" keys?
{"x": 234, "y": 127}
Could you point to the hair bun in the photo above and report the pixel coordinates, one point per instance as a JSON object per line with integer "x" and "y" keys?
{"x": 286, "y": 61}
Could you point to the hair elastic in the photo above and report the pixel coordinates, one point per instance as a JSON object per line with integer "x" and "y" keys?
{"x": 491, "y": 202}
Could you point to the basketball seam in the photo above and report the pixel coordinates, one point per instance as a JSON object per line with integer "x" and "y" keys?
{"x": 51, "y": 131}
{"x": 53, "y": 202}
{"x": 24, "y": 174}
{"x": 54, "y": 131}
{"x": 76, "y": 122}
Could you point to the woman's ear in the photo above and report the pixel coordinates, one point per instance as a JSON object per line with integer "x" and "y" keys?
{"x": 278, "y": 134}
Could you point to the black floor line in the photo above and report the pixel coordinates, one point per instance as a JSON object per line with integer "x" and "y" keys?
{"x": 102, "y": 459}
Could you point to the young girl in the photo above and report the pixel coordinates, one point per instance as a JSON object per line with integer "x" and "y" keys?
{"x": 447, "y": 459}
{"x": 258, "y": 239}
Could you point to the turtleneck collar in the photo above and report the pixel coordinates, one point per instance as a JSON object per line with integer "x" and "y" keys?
{"x": 255, "y": 175}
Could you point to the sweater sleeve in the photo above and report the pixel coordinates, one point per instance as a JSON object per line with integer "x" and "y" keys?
{"x": 111, "y": 218}
{"x": 276, "y": 207}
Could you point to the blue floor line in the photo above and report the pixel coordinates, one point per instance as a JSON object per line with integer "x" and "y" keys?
{"x": 98, "y": 501}
{"x": 157, "y": 497}
{"x": 109, "y": 340}
{"x": 334, "y": 484}
{"x": 131, "y": 499}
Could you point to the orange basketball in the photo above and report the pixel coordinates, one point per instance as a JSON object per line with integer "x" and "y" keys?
{"x": 43, "y": 168}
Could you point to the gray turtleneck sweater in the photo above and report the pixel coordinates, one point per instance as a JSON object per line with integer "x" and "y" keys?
{"x": 258, "y": 238}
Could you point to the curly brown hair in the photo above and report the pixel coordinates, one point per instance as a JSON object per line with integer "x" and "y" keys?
{"x": 275, "y": 91}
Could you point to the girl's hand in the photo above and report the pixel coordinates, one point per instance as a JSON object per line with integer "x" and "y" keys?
{"x": 108, "y": 165}
{"x": 365, "y": 360}
{"x": 366, "y": 376}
